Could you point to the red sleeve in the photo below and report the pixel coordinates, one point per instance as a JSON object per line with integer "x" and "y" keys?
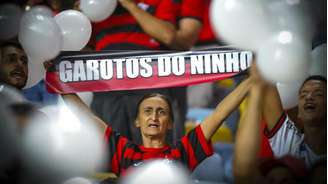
{"x": 168, "y": 10}
{"x": 266, "y": 134}
{"x": 195, "y": 148}
{"x": 192, "y": 9}
{"x": 115, "y": 146}
{"x": 270, "y": 133}
{"x": 265, "y": 148}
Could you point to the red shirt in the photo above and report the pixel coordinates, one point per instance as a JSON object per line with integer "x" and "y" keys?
{"x": 121, "y": 28}
{"x": 190, "y": 151}
{"x": 206, "y": 34}
{"x": 192, "y": 9}
{"x": 265, "y": 147}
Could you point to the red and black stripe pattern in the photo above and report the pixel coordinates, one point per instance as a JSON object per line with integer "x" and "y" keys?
{"x": 122, "y": 28}
{"x": 190, "y": 151}
{"x": 192, "y": 9}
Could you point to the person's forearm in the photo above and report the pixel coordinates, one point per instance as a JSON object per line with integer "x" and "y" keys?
{"x": 158, "y": 29}
{"x": 224, "y": 109}
{"x": 248, "y": 139}
{"x": 187, "y": 34}
{"x": 271, "y": 105}
{"x": 80, "y": 108}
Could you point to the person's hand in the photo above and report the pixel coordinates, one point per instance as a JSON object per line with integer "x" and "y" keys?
{"x": 127, "y": 4}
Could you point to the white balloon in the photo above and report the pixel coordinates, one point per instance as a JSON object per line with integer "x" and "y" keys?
{"x": 9, "y": 138}
{"x": 98, "y": 10}
{"x": 40, "y": 36}
{"x": 41, "y": 10}
{"x": 244, "y": 24}
{"x": 283, "y": 58}
{"x": 10, "y": 95}
{"x": 36, "y": 72}
{"x": 77, "y": 180}
{"x": 288, "y": 93}
{"x": 63, "y": 146}
{"x": 292, "y": 15}
{"x": 10, "y": 15}
{"x": 319, "y": 61}
{"x": 157, "y": 172}
{"x": 75, "y": 29}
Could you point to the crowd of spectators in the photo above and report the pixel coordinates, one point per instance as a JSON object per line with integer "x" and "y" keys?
{"x": 294, "y": 142}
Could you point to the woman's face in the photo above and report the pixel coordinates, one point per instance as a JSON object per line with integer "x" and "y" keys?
{"x": 154, "y": 117}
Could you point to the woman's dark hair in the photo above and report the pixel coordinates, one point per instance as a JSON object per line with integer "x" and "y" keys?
{"x": 164, "y": 97}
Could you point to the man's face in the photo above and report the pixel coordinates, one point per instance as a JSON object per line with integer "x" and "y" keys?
{"x": 312, "y": 106}
{"x": 154, "y": 117}
{"x": 13, "y": 66}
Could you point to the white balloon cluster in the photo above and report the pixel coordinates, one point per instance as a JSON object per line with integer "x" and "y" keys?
{"x": 278, "y": 31}
{"x": 43, "y": 35}
{"x": 39, "y": 35}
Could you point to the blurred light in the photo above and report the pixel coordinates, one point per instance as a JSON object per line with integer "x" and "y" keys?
{"x": 157, "y": 172}
{"x": 40, "y": 17}
{"x": 67, "y": 121}
{"x": 230, "y": 5}
{"x": 62, "y": 146}
{"x": 285, "y": 37}
{"x": 27, "y": 8}
{"x": 77, "y": 180}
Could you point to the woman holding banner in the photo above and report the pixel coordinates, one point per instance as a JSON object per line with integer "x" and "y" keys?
{"x": 134, "y": 25}
{"x": 154, "y": 117}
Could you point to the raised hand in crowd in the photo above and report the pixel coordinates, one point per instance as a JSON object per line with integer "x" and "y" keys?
{"x": 248, "y": 133}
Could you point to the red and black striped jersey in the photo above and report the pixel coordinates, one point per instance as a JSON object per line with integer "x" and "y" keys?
{"x": 190, "y": 151}
{"x": 121, "y": 30}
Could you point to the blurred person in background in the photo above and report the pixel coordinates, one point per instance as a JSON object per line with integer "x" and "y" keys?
{"x": 284, "y": 137}
{"x": 287, "y": 169}
{"x": 13, "y": 65}
{"x": 206, "y": 37}
{"x": 318, "y": 172}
